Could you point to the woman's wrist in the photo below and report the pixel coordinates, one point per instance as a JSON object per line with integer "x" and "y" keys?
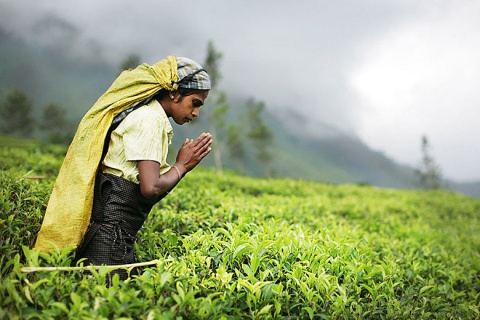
{"x": 181, "y": 170}
{"x": 178, "y": 172}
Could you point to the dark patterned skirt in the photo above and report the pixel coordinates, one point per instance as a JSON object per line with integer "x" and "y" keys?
{"x": 119, "y": 211}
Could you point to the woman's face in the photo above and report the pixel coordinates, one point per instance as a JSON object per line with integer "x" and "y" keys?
{"x": 186, "y": 108}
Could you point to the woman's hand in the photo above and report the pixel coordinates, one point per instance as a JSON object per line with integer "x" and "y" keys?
{"x": 192, "y": 152}
{"x": 153, "y": 185}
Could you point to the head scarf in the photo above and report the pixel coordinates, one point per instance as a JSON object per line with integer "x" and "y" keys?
{"x": 70, "y": 205}
{"x": 192, "y": 75}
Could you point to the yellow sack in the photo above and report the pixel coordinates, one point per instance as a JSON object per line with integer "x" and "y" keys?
{"x": 70, "y": 206}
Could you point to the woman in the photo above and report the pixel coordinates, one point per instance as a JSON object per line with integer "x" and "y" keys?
{"x": 104, "y": 191}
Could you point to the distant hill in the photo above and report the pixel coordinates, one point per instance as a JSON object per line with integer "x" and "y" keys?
{"x": 468, "y": 188}
{"x": 303, "y": 148}
{"x": 307, "y": 148}
{"x": 329, "y": 155}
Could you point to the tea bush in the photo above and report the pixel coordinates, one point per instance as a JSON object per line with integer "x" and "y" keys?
{"x": 232, "y": 247}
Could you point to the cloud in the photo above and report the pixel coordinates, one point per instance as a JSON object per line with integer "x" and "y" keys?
{"x": 422, "y": 79}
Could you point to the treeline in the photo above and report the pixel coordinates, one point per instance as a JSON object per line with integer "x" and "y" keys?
{"x": 17, "y": 119}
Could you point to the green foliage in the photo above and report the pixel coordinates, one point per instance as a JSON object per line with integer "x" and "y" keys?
{"x": 233, "y": 247}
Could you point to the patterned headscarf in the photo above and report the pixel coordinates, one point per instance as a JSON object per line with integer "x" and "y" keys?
{"x": 191, "y": 75}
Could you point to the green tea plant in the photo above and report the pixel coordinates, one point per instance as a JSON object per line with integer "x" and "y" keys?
{"x": 232, "y": 247}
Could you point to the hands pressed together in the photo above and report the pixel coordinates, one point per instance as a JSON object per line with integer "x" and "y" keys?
{"x": 152, "y": 184}
{"x": 192, "y": 152}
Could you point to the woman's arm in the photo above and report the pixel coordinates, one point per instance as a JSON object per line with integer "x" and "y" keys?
{"x": 152, "y": 184}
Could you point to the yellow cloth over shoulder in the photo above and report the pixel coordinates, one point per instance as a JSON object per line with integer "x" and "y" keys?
{"x": 69, "y": 208}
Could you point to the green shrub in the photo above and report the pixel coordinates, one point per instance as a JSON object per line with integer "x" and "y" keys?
{"x": 232, "y": 247}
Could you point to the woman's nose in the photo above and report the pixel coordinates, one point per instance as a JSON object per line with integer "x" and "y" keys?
{"x": 196, "y": 112}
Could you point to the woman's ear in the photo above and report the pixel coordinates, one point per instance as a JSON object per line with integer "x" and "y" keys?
{"x": 174, "y": 95}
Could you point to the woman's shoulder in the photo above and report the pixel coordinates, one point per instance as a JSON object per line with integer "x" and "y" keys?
{"x": 152, "y": 111}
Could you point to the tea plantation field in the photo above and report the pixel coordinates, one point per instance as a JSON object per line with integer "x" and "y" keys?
{"x": 232, "y": 247}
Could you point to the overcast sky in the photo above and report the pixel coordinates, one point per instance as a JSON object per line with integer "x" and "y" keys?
{"x": 386, "y": 71}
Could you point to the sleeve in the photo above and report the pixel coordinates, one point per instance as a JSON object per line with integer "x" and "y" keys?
{"x": 145, "y": 136}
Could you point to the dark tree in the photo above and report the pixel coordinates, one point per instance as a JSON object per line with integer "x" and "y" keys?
{"x": 428, "y": 174}
{"x": 216, "y": 112}
{"x": 236, "y": 148}
{"x": 131, "y": 62}
{"x": 16, "y": 114}
{"x": 260, "y": 134}
{"x": 55, "y": 125}
{"x": 212, "y": 64}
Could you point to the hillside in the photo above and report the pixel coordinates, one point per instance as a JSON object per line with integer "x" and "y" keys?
{"x": 233, "y": 247}
{"x": 316, "y": 152}
{"x": 336, "y": 157}
{"x": 322, "y": 153}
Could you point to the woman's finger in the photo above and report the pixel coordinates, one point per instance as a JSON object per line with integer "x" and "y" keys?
{"x": 204, "y": 137}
